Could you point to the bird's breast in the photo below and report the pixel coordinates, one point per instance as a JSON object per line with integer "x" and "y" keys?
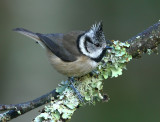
{"x": 81, "y": 66}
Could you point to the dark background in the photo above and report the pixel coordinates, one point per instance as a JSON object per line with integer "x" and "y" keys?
{"x": 25, "y": 72}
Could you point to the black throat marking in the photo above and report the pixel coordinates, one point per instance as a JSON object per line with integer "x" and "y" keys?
{"x": 98, "y": 59}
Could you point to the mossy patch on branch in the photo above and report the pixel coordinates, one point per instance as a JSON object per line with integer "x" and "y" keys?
{"x": 90, "y": 86}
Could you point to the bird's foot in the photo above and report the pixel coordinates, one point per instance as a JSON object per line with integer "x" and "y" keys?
{"x": 80, "y": 97}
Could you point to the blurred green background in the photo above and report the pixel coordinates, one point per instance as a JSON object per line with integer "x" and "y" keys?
{"x": 25, "y": 72}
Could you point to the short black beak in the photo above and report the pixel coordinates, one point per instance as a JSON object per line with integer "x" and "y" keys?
{"x": 108, "y": 47}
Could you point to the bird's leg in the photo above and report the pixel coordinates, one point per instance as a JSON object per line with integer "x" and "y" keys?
{"x": 80, "y": 97}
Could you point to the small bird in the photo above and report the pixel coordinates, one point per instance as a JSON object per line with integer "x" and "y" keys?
{"x": 75, "y": 53}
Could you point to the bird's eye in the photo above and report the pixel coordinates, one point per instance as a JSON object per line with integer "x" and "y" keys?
{"x": 97, "y": 45}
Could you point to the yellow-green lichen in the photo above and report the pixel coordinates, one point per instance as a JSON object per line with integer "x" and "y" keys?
{"x": 90, "y": 86}
{"x": 113, "y": 64}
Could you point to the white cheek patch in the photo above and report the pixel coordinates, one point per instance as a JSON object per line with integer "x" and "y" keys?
{"x": 81, "y": 45}
{"x": 94, "y": 54}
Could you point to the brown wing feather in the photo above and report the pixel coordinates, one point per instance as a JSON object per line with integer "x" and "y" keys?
{"x": 63, "y": 46}
{"x": 70, "y": 42}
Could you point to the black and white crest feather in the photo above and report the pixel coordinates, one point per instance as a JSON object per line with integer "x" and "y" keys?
{"x": 98, "y": 31}
{"x": 93, "y": 42}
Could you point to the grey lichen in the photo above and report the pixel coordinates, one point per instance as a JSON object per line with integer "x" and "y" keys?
{"x": 149, "y": 51}
{"x": 90, "y": 86}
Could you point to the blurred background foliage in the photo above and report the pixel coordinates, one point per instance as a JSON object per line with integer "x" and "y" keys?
{"x": 25, "y": 72}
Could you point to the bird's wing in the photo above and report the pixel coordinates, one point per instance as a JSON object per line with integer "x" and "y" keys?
{"x": 63, "y": 46}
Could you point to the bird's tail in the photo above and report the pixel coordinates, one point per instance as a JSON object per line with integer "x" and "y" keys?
{"x": 29, "y": 34}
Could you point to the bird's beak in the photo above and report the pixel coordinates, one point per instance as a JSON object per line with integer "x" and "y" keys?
{"x": 108, "y": 47}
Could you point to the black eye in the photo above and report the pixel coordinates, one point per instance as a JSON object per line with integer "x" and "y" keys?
{"x": 97, "y": 45}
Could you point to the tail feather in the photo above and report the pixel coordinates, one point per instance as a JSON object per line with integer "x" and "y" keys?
{"x": 29, "y": 34}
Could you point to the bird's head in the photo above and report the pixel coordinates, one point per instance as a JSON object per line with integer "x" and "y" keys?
{"x": 93, "y": 43}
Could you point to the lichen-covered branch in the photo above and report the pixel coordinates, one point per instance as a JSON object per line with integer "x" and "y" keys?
{"x": 64, "y": 102}
{"x": 19, "y": 109}
{"x": 143, "y": 42}
{"x": 90, "y": 86}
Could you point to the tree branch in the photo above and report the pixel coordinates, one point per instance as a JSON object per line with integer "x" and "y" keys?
{"x": 16, "y": 110}
{"x": 148, "y": 39}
